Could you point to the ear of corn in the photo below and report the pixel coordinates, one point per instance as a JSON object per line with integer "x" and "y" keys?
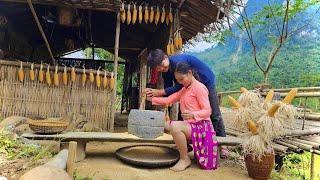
{"x": 243, "y": 90}
{"x": 31, "y": 73}
{"x": 176, "y": 41}
{"x": 98, "y": 78}
{"x": 167, "y": 19}
{"x": 170, "y": 15}
{"x": 172, "y": 48}
{"x": 157, "y": 16}
{"x": 146, "y": 14}
{"x": 134, "y": 14}
{"x": 56, "y": 77}
{"x": 180, "y": 43}
{"x": 140, "y": 17}
{"x": 21, "y": 73}
{"x": 234, "y": 103}
{"x": 129, "y": 15}
{"x": 91, "y": 77}
{"x": 122, "y": 13}
{"x": 65, "y": 76}
{"x": 40, "y": 75}
{"x": 273, "y": 109}
{"x": 252, "y": 127}
{"x": 290, "y": 96}
{"x": 168, "y": 49}
{"x": 269, "y": 96}
{"x": 83, "y": 77}
{"x": 163, "y": 15}
{"x": 151, "y": 16}
{"x": 112, "y": 81}
{"x": 73, "y": 75}
{"x": 105, "y": 80}
{"x": 48, "y": 77}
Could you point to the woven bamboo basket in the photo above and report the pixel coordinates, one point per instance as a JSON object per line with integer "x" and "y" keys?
{"x": 47, "y": 126}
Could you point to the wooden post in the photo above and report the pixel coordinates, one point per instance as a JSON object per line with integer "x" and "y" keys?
{"x": 143, "y": 74}
{"x": 115, "y": 70}
{"x": 312, "y": 166}
{"x": 71, "y": 157}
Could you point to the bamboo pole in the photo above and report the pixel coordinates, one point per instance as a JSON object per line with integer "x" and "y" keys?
{"x": 313, "y": 144}
{"x": 303, "y": 132}
{"x": 116, "y": 54}
{"x": 312, "y": 166}
{"x": 41, "y": 30}
{"x": 290, "y": 146}
{"x": 300, "y": 145}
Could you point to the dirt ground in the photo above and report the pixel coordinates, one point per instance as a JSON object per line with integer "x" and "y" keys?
{"x": 101, "y": 163}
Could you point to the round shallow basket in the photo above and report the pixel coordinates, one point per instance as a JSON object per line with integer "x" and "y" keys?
{"x": 47, "y": 126}
{"x": 151, "y": 156}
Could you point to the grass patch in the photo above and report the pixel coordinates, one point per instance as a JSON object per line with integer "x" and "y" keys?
{"x": 14, "y": 149}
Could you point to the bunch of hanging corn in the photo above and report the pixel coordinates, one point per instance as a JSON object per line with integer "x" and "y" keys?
{"x": 122, "y": 13}
{"x": 91, "y": 77}
{"x": 40, "y": 75}
{"x": 84, "y": 77}
{"x": 170, "y": 48}
{"x": 98, "y": 78}
{"x": 129, "y": 15}
{"x": 134, "y": 14}
{"x": 112, "y": 81}
{"x": 48, "y": 76}
{"x": 105, "y": 80}
{"x": 73, "y": 74}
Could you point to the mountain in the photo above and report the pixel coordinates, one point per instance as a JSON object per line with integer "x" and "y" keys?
{"x": 296, "y": 65}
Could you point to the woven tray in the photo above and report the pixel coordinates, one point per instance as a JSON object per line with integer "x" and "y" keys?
{"x": 47, "y": 126}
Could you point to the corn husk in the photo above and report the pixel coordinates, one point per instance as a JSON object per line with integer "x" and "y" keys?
{"x": 248, "y": 99}
{"x": 287, "y": 114}
{"x": 254, "y": 144}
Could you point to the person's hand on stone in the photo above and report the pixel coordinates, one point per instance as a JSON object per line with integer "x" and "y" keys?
{"x": 154, "y": 92}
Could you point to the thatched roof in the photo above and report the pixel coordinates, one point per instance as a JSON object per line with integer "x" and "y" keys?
{"x": 195, "y": 15}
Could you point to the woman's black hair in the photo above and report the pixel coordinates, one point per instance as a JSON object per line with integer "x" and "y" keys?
{"x": 155, "y": 58}
{"x": 184, "y": 68}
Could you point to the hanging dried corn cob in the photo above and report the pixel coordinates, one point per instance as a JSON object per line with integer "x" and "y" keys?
{"x": 83, "y": 77}
{"x": 65, "y": 76}
{"x": 151, "y": 16}
{"x": 169, "y": 49}
{"x": 48, "y": 77}
{"x": 21, "y": 73}
{"x": 170, "y": 14}
{"x": 172, "y": 48}
{"x": 163, "y": 15}
{"x": 157, "y": 16}
{"x": 73, "y": 74}
{"x": 105, "y": 80}
{"x": 56, "y": 77}
{"x": 129, "y": 15}
{"x": 91, "y": 77}
{"x": 134, "y": 14}
{"x": 180, "y": 43}
{"x": 167, "y": 19}
{"x": 98, "y": 78}
{"x": 234, "y": 103}
{"x": 31, "y": 73}
{"x": 40, "y": 75}
{"x": 176, "y": 40}
{"x": 112, "y": 81}
{"x": 140, "y": 14}
{"x": 122, "y": 13}
{"x": 146, "y": 14}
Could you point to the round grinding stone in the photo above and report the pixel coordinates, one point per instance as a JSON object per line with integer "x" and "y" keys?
{"x": 148, "y": 155}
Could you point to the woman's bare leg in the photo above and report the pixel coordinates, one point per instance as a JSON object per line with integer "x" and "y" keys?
{"x": 181, "y": 131}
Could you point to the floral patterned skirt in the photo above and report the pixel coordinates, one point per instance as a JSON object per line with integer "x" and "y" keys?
{"x": 205, "y": 145}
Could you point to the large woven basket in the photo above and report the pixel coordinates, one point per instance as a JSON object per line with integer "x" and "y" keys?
{"x": 47, "y": 126}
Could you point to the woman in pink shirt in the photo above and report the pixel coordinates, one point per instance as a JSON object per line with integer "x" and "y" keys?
{"x": 197, "y": 126}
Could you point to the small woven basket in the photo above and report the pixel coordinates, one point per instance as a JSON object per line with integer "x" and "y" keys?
{"x": 47, "y": 126}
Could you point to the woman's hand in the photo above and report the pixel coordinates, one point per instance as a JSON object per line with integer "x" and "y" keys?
{"x": 154, "y": 92}
{"x": 149, "y": 99}
{"x": 187, "y": 115}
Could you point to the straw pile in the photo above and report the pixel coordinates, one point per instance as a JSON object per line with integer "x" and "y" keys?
{"x": 37, "y": 99}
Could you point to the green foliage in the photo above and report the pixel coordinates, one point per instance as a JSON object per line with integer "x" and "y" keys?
{"x": 14, "y": 149}
{"x": 297, "y": 166}
{"x": 77, "y": 176}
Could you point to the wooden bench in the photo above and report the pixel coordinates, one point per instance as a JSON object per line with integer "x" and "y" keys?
{"x": 83, "y": 137}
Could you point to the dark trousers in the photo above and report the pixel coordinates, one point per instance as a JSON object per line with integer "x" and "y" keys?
{"x": 216, "y": 117}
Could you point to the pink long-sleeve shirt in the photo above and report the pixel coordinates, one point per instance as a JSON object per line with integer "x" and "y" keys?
{"x": 193, "y": 99}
